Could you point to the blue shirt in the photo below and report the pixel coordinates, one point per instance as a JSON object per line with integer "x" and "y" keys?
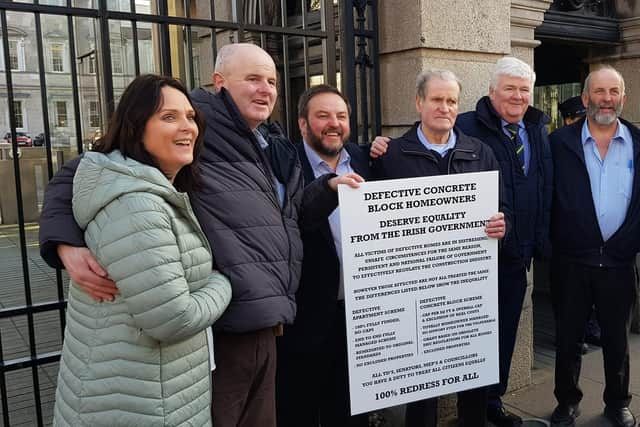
{"x": 441, "y": 149}
{"x": 320, "y": 167}
{"x": 279, "y": 186}
{"x": 611, "y": 178}
{"x": 524, "y": 137}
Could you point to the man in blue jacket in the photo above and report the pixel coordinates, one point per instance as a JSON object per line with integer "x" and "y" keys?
{"x": 313, "y": 350}
{"x": 595, "y": 229}
{"x": 517, "y": 136}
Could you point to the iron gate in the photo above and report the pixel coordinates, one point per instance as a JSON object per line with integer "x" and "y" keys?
{"x": 63, "y": 66}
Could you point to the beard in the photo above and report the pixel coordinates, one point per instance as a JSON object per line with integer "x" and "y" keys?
{"x": 593, "y": 111}
{"x": 315, "y": 141}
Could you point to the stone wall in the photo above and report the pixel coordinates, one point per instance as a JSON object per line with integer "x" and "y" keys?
{"x": 465, "y": 37}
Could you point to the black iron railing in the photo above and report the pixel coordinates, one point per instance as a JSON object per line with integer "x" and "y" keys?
{"x": 171, "y": 37}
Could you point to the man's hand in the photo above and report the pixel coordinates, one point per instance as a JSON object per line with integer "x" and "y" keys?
{"x": 351, "y": 179}
{"x": 496, "y": 226}
{"x": 379, "y": 146}
{"x": 85, "y": 271}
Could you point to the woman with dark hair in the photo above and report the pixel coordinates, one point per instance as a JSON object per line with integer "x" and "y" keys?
{"x": 143, "y": 359}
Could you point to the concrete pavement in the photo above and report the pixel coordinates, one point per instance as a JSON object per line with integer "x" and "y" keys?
{"x": 537, "y": 400}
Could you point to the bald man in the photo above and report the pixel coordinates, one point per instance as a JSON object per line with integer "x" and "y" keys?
{"x": 250, "y": 205}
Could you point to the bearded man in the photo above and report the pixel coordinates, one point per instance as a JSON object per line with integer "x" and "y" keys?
{"x": 312, "y": 384}
{"x": 595, "y": 225}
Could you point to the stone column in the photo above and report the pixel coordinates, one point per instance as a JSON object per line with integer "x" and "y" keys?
{"x": 465, "y": 37}
{"x": 526, "y": 16}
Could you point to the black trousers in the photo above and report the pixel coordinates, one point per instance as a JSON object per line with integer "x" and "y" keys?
{"x": 575, "y": 288}
{"x": 512, "y": 286}
{"x": 312, "y": 384}
{"x": 472, "y": 410}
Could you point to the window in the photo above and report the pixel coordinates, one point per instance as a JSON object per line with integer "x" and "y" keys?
{"x": 61, "y": 113}
{"x": 119, "y": 5}
{"x": 16, "y": 55}
{"x": 92, "y": 64}
{"x": 318, "y": 79}
{"x": 13, "y": 55}
{"x": 117, "y": 67}
{"x": 147, "y": 64}
{"x": 94, "y": 114}
{"x": 196, "y": 70}
{"x": 57, "y": 57}
{"x": 18, "y": 114}
{"x": 315, "y": 80}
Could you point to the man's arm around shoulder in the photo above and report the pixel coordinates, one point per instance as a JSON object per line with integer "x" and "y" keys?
{"x": 62, "y": 240}
{"x": 57, "y": 225}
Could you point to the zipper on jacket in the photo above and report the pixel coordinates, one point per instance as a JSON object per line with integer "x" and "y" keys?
{"x": 263, "y": 164}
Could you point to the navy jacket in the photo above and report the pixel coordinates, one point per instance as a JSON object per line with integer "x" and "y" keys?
{"x": 485, "y": 124}
{"x": 406, "y": 157}
{"x": 317, "y": 294}
{"x": 575, "y": 232}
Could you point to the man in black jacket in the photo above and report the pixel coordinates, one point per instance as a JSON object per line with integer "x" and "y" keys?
{"x": 249, "y": 205}
{"x": 433, "y": 146}
{"x": 312, "y": 353}
{"x": 595, "y": 224}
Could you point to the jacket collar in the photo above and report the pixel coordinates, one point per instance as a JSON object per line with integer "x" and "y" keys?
{"x": 234, "y": 113}
{"x": 225, "y": 109}
{"x": 307, "y": 170}
{"x": 228, "y": 124}
{"x": 490, "y": 118}
{"x": 635, "y": 136}
{"x": 411, "y": 143}
{"x": 359, "y": 161}
{"x": 575, "y": 142}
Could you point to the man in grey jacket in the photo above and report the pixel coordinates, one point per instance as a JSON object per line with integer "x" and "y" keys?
{"x": 249, "y": 205}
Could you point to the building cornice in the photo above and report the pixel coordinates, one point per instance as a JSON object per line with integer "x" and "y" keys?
{"x": 526, "y": 16}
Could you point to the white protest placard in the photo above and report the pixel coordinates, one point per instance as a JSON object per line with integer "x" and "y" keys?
{"x": 421, "y": 294}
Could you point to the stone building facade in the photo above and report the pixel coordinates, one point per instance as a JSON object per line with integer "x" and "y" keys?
{"x": 562, "y": 39}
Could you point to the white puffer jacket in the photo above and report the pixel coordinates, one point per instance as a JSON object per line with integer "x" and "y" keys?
{"x": 143, "y": 359}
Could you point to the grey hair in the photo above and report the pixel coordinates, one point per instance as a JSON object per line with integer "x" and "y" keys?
{"x": 512, "y": 67}
{"x": 425, "y": 76}
{"x": 587, "y": 81}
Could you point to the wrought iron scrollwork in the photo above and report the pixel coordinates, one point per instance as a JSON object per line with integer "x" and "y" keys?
{"x": 603, "y": 8}
{"x": 360, "y": 67}
{"x": 571, "y": 4}
{"x": 362, "y": 56}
